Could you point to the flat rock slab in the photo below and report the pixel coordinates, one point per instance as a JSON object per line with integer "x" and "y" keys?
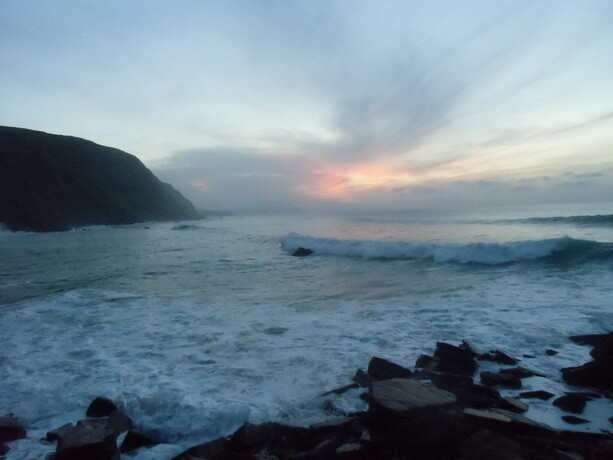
{"x": 403, "y": 395}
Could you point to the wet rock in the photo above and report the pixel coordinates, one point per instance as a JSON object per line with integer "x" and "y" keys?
{"x": 513, "y": 405}
{"x": 550, "y": 352}
{"x": 88, "y": 442}
{"x": 446, "y": 381}
{"x": 362, "y": 378}
{"x": 350, "y": 426}
{"x": 454, "y": 360}
{"x": 494, "y": 380}
{"x": 424, "y": 361}
{"x": 498, "y": 356}
{"x": 350, "y": 450}
{"x": 57, "y": 433}
{"x": 474, "y": 349}
{"x": 11, "y": 429}
{"x": 217, "y": 449}
{"x": 382, "y": 369}
{"x": 538, "y": 394}
{"x": 4, "y": 449}
{"x": 403, "y": 396}
{"x": 101, "y": 407}
{"x": 588, "y": 339}
{"x": 119, "y": 422}
{"x": 571, "y": 403}
{"x": 604, "y": 348}
{"x": 500, "y": 419}
{"x": 341, "y": 390}
{"x": 521, "y": 372}
{"x": 487, "y": 444}
{"x": 574, "y": 420}
{"x": 253, "y": 437}
{"x": 136, "y": 439}
{"x": 478, "y": 396}
{"x": 302, "y": 252}
{"x": 597, "y": 373}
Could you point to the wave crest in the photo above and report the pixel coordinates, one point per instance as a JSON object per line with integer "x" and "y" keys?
{"x": 555, "y": 250}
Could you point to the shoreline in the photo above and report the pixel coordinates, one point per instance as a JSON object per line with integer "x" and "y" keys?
{"x": 454, "y": 404}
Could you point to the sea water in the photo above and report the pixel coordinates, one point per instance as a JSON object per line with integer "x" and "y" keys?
{"x": 195, "y": 328}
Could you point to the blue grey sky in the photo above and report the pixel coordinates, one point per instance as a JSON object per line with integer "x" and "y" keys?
{"x": 394, "y": 104}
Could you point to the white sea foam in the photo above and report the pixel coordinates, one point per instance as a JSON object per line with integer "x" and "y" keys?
{"x": 481, "y": 253}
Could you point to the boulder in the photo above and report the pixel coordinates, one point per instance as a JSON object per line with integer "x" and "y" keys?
{"x": 136, "y": 439}
{"x": 604, "y": 348}
{"x": 4, "y": 449}
{"x": 498, "y": 356}
{"x": 571, "y": 403}
{"x": 302, "y": 252}
{"x": 597, "y": 373}
{"x": 551, "y": 352}
{"x": 11, "y": 429}
{"x": 100, "y": 407}
{"x": 487, "y": 444}
{"x": 57, "y": 433}
{"x": 448, "y": 381}
{"x": 513, "y": 405}
{"x": 424, "y": 361}
{"x": 494, "y": 380}
{"x": 362, "y": 378}
{"x": 119, "y": 422}
{"x": 588, "y": 339}
{"x": 454, "y": 360}
{"x": 538, "y": 394}
{"x": 474, "y": 395}
{"x": 88, "y": 442}
{"x": 404, "y": 396}
{"x": 521, "y": 372}
{"x": 574, "y": 420}
{"x": 382, "y": 369}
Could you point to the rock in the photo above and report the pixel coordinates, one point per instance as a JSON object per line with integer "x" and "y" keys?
{"x": 11, "y": 429}
{"x": 550, "y": 352}
{"x": 498, "y": 356}
{"x": 468, "y": 345}
{"x": 478, "y": 396}
{"x": 402, "y": 396}
{"x": 589, "y": 339}
{"x": 382, "y": 369}
{"x": 341, "y": 390}
{"x": 538, "y": 394}
{"x": 513, "y": 405}
{"x": 604, "y": 348}
{"x": 571, "y": 403}
{"x": 136, "y": 439}
{"x": 213, "y": 450}
{"x": 424, "y": 361}
{"x": 57, "y": 433}
{"x": 448, "y": 381}
{"x": 497, "y": 419}
{"x": 521, "y": 372}
{"x": 119, "y": 422}
{"x": 362, "y": 378}
{"x": 350, "y": 450}
{"x": 4, "y": 449}
{"x": 493, "y": 380}
{"x": 487, "y": 444}
{"x": 574, "y": 420}
{"x": 53, "y": 183}
{"x": 275, "y": 330}
{"x": 88, "y": 442}
{"x": 597, "y": 373}
{"x": 454, "y": 360}
{"x": 100, "y": 407}
{"x": 342, "y": 425}
{"x": 252, "y": 437}
{"x": 302, "y": 252}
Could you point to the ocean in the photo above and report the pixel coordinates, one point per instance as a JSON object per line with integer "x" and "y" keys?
{"x": 194, "y": 328}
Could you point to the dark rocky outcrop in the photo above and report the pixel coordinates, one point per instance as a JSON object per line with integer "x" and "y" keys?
{"x": 136, "y": 439}
{"x": 101, "y": 407}
{"x": 95, "y": 442}
{"x": 382, "y": 369}
{"x": 537, "y": 394}
{"x": 571, "y": 403}
{"x": 11, "y": 429}
{"x": 492, "y": 379}
{"x": 50, "y": 183}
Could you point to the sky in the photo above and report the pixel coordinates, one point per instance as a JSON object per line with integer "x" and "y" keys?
{"x": 263, "y": 105}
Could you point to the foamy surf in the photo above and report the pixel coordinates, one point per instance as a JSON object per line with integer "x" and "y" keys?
{"x": 476, "y": 253}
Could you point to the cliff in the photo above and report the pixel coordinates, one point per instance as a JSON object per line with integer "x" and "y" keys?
{"x": 50, "y": 182}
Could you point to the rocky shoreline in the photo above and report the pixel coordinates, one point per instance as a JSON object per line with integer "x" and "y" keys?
{"x": 436, "y": 411}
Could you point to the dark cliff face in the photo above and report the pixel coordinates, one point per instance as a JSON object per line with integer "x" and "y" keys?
{"x": 50, "y": 182}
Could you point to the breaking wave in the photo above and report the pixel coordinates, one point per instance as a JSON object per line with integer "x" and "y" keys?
{"x": 599, "y": 220}
{"x": 556, "y": 250}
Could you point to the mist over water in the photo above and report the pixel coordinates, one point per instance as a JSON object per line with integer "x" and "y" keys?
{"x": 196, "y": 329}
